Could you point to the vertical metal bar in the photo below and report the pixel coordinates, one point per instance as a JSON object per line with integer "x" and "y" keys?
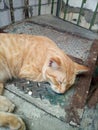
{"x": 83, "y": 1}
{"x": 26, "y": 3}
{"x": 52, "y": 7}
{"x": 94, "y": 16}
{"x": 39, "y": 7}
{"x": 58, "y": 7}
{"x": 65, "y": 10}
{"x": 12, "y": 11}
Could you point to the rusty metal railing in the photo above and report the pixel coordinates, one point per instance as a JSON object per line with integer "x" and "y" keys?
{"x": 80, "y": 13}
{"x": 94, "y": 16}
{"x": 35, "y": 6}
{"x": 55, "y": 8}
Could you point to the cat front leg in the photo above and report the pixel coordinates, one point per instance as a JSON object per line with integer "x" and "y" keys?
{"x": 6, "y": 105}
{"x": 12, "y": 121}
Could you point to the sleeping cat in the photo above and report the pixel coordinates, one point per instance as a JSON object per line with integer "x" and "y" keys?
{"x": 35, "y": 58}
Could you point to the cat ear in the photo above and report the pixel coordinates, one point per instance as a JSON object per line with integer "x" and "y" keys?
{"x": 54, "y": 63}
{"x": 79, "y": 69}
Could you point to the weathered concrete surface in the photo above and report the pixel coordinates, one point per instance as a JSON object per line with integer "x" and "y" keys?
{"x": 37, "y": 119}
{"x": 47, "y": 118}
{"x": 64, "y": 26}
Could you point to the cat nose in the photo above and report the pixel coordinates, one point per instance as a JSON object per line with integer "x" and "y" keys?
{"x": 61, "y": 90}
{"x": 58, "y": 89}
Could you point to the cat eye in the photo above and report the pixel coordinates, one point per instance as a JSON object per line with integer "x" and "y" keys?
{"x": 60, "y": 82}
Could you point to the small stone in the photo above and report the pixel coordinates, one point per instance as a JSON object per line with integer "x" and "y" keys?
{"x": 87, "y": 92}
{"x": 94, "y": 58}
{"x": 30, "y": 93}
{"x": 28, "y": 82}
{"x": 94, "y": 52}
{"x": 38, "y": 84}
{"x": 73, "y": 124}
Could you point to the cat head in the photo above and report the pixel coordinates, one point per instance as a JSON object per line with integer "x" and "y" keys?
{"x": 61, "y": 73}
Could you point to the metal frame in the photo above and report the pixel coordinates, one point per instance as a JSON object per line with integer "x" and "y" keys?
{"x": 79, "y": 99}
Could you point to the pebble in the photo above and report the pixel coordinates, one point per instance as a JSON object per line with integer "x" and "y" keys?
{"x": 30, "y": 93}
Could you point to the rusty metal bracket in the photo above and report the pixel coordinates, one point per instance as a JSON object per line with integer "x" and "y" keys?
{"x": 76, "y": 107}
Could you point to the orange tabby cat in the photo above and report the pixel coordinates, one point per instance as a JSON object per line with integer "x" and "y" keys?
{"x": 35, "y": 58}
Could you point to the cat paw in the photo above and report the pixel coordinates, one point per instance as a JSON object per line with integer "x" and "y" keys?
{"x": 12, "y": 121}
{"x": 6, "y": 105}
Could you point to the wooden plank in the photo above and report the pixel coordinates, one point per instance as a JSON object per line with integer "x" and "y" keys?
{"x": 93, "y": 99}
{"x": 75, "y": 109}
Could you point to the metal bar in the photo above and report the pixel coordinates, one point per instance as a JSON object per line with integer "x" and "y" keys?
{"x": 82, "y": 88}
{"x": 26, "y": 3}
{"x": 12, "y": 11}
{"x": 83, "y": 1}
{"x": 52, "y": 7}
{"x": 58, "y": 8}
{"x": 65, "y": 10}
{"x": 94, "y": 16}
{"x": 39, "y": 8}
